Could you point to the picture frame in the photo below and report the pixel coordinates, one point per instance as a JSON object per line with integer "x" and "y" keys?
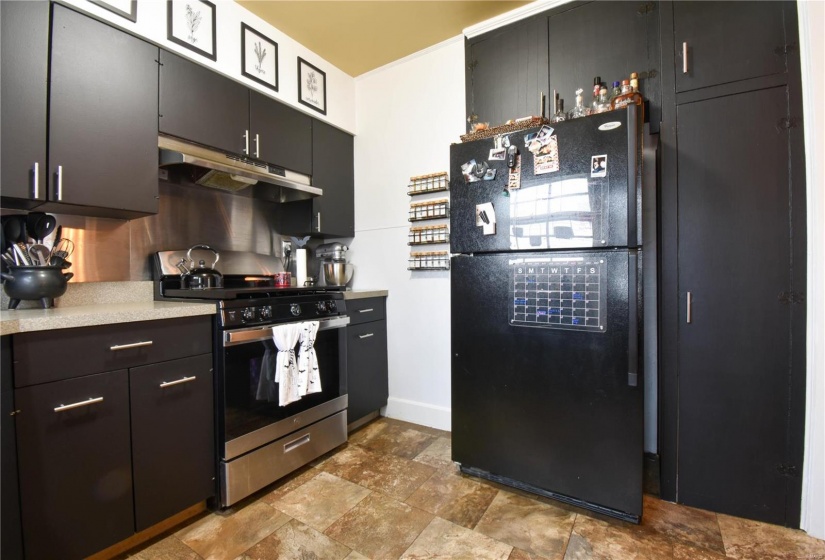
{"x": 259, "y": 57}
{"x": 192, "y": 24}
{"x": 312, "y": 86}
{"x": 123, "y": 8}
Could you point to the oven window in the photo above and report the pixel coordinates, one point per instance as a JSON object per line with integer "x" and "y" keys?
{"x": 250, "y": 403}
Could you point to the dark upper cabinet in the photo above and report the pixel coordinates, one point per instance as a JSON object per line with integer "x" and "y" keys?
{"x": 609, "y": 40}
{"x": 25, "y": 59}
{"x": 506, "y": 72}
{"x": 102, "y": 119}
{"x": 200, "y": 105}
{"x": 279, "y": 134}
{"x": 75, "y": 465}
{"x": 728, "y": 41}
{"x": 173, "y": 449}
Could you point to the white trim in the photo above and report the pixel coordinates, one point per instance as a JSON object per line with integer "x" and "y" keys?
{"x": 423, "y": 414}
{"x": 811, "y": 16}
{"x": 410, "y": 57}
{"x": 512, "y": 16}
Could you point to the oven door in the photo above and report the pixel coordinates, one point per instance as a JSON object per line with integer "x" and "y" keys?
{"x": 249, "y": 415}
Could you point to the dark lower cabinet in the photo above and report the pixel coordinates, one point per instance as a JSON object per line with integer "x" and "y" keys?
{"x": 172, "y": 455}
{"x": 367, "y": 369}
{"x": 75, "y": 465}
{"x": 11, "y": 533}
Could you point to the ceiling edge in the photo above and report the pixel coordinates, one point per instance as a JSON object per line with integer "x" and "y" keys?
{"x": 512, "y": 16}
{"x": 412, "y": 56}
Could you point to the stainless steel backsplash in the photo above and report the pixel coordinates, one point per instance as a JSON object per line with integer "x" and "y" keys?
{"x": 117, "y": 250}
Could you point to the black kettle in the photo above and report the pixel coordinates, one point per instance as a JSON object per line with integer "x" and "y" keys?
{"x": 200, "y": 277}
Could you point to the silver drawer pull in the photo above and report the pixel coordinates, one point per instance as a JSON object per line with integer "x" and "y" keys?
{"x": 366, "y": 335}
{"x": 91, "y": 400}
{"x": 295, "y": 443}
{"x": 366, "y": 310}
{"x": 178, "y": 382}
{"x": 127, "y": 346}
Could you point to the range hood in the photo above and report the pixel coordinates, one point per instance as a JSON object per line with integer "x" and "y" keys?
{"x": 233, "y": 173}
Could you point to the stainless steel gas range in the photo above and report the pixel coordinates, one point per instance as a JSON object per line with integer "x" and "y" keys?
{"x": 259, "y": 440}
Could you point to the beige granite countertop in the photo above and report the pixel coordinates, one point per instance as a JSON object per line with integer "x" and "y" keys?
{"x": 28, "y": 320}
{"x": 361, "y": 294}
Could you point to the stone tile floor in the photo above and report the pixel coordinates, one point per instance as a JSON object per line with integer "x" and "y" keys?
{"x": 392, "y": 493}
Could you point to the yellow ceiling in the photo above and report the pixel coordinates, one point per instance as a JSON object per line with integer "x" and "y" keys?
{"x": 360, "y": 36}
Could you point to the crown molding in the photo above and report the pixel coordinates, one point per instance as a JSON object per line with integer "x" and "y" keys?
{"x": 512, "y": 16}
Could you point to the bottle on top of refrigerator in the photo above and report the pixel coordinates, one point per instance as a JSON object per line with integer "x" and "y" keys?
{"x": 616, "y": 91}
{"x": 597, "y": 86}
{"x": 603, "y": 104}
{"x": 634, "y": 81}
{"x": 578, "y": 110}
{"x": 560, "y": 115}
{"x": 627, "y": 97}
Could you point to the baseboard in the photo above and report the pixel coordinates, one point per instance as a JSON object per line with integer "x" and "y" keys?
{"x": 424, "y": 414}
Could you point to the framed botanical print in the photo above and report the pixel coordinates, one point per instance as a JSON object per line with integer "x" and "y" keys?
{"x": 191, "y": 23}
{"x": 259, "y": 57}
{"x": 312, "y": 86}
{"x": 124, "y": 8}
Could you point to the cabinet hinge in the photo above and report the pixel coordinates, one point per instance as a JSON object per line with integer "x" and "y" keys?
{"x": 15, "y": 412}
{"x": 789, "y": 471}
{"x": 791, "y": 297}
{"x": 646, "y": 8}
{"x": 787, "y": 122}
{"x": 784, "y": 49}
{"x": 472, "y": 65}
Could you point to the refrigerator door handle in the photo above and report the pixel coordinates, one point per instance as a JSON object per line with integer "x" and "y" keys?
{"x": 632, "y": 320}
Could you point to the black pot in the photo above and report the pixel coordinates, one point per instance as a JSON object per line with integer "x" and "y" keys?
{"x": 42, "y": 283}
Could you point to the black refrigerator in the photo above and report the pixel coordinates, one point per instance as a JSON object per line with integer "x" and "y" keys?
{"x": 546, "y": 308}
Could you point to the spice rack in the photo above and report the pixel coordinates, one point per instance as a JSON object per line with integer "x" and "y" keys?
{"x": 434, "y": 260}
{"x": 428, "y": 235}
{"x": 430, "y": 210}
{"x": 434, "y": 182}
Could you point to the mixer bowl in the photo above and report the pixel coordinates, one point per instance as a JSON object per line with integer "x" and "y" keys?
{"x": 337, "y": 273}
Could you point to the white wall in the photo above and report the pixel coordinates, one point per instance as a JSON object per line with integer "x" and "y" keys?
{"x": 151, "y": 25}
{"x": 407, "y": 114}
{"x": 812, "y": 54}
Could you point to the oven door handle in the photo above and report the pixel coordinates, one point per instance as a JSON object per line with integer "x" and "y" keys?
{"x": 257, "y": 334}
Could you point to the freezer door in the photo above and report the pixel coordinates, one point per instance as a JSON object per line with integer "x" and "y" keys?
{"x": 575, "y": 196}
{"x": 546, "y": 389}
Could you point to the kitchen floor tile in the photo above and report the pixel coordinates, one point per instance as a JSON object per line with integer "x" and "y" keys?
{"x": 395, "y": 439}
{"x": 217, "y": 537}
{"x": 296, "y": 540}
{"x": 438, "y": 454}
{"x": 394, "y": 476}
{"x": 321, "y": 501}
{"x": 527, "y": 524}
{"x": 751, "y": 540}
{"x": 169, "y": 548}
{"x": 455, "y": 498}
{"x": 444, "y": 540}
{"x": 379, "y": 527}
{"x": 288, "y": 484}
{"x": 682, "y": 551}
{"x": 695, "y": 527}
{"x": 519, "y": 554}
{"x": 594, "y": 539}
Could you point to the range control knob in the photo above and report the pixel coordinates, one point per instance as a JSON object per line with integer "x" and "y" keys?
{"x": 295, "y": 309}
{"x": 331, "y": 306}
{"x": 266, "y": 312}
{"x": 248, "y": 314}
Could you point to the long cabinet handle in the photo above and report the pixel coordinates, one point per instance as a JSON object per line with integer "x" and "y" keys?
{"x": 128, "y": 346}
{"x": 257, "y": 146}
{"x": 246, "y": 142}
{"x": 366, "y": 310}
{"x": 36, "y": 179}
{"x": 59, "y": 182}
{"x": 689, "y": 307}
{"x": 177, "y": 382}
{"x": 319, "y": 221}
{"x": 90, "y": 400}
{"x": 684, "y": 58}
{"x": 366, "y": 335}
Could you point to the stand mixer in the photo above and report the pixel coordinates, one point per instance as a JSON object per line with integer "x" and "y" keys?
{"x": 335, "y": 270}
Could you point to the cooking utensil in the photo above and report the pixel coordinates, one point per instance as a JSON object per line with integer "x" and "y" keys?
{"x": 58, "y": 235}
{"x": 337, "y": 273}
{"x": 15, "y": 229}
{"x": 22, "y": 254}
{"x": 42, "y": 283}
{"x": 202, "y": 276}
{"x": 39, "y": 225}
{"x": 63, "y": 248}
{"x": 39, "y": 254}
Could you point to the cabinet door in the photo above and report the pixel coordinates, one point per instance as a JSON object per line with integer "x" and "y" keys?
{"x": 735, "y": 366}
{"x": 507, "y": 72}
{"x": 173, "y": 437}
{"x": 609, "y": 40}
{"x": 332, "y": 170}
{"x": 728, "y": 41}
{"x": 102, "y": 116}
{"x": 75, "y": 466}
{"x": 367, "y": 370}
{"x": 200, "y": 105}
{"x": 280, "y": 135}
{"x": 25, "y": 58}
{"x": 11, "y": 532}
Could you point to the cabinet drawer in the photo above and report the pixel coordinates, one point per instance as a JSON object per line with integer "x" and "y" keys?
{"x": 367, "y": 309}
{"x": 75, "y": 465}
{"x": 41, "y": 357}
{"x": 173, "y": 437}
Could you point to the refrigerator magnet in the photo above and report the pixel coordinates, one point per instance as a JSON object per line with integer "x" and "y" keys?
{"x": 490, "y": 174}
{"x": 514, "y": 178}
{"x": 469, "y": 170}
{"x": 497, "y": 154}
{"x": 547, "y": 160}
{"x": 486, "y": 218}
{"x": 598, "y": 166}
